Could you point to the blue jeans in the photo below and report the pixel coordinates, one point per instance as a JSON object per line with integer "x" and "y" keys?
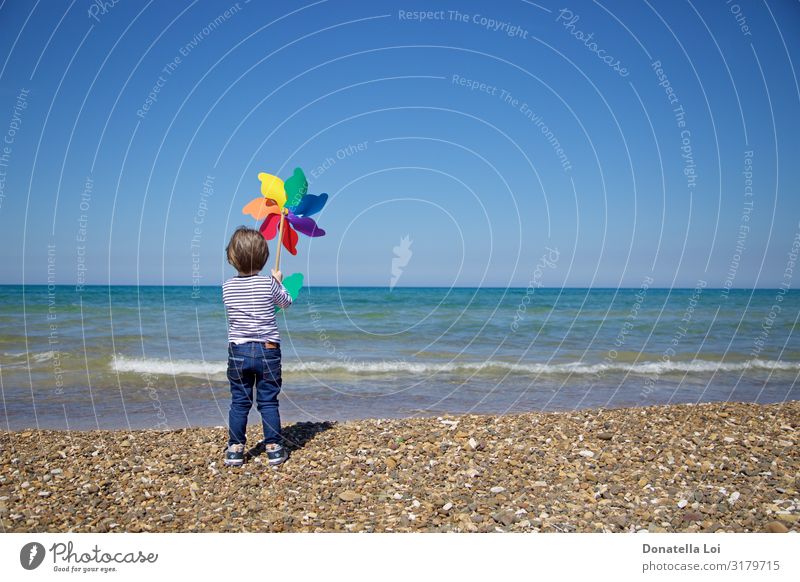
{"x": 249, "y": 364}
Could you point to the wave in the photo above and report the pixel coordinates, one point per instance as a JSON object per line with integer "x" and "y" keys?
{"x": 204, "y": 368}
{"x": 27, "y": 359}
{"x": 36, "y": 357}
{"x": 167, "y": 367}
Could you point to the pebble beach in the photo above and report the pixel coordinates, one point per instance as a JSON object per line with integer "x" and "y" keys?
{"x": 711, "y": 467}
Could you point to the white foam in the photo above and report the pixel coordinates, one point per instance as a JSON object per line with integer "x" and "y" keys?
{"x": 204, "y": 368}
{"x": 42, "y": 357}
{"x": 167, "y": 367}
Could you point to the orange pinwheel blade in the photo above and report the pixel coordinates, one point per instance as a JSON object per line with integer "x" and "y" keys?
{"x": 260, "y": 208}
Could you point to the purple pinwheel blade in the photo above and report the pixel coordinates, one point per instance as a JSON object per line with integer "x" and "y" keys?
{"x": 305, "y": 225}
{"x": 310, "y": 204}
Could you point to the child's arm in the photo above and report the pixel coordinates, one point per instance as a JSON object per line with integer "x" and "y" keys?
{"x": 280, "y": 296}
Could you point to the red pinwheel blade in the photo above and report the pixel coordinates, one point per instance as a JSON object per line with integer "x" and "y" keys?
{"x": 290, "y": 238}
{"x": 305, "y": 225}
{"x": 269, "y": 228}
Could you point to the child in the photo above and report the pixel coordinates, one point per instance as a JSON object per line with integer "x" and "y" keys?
{"x": 254, "y": 352}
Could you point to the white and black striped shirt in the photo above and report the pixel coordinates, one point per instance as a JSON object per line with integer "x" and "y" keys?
{"x": 250, "y": 304}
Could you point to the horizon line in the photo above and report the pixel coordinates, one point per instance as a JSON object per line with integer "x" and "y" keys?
{"x": 101, "y": 285}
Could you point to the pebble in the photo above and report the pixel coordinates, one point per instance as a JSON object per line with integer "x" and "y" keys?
{"x": 474, "y": 473}
{"x": 775, "y": 527}
{"x": 506, "y": 518}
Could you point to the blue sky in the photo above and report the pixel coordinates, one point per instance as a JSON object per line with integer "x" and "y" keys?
{"x": 487, "y": 133}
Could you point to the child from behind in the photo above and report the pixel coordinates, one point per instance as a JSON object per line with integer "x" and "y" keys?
{"x": 254, "y": 351}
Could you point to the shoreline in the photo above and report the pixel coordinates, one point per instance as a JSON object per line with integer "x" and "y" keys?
{"x": 720, "y": 466}
{"x": 409, "y": 414}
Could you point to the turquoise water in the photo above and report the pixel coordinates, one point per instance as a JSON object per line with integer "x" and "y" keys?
{"x": 142, "y": 357}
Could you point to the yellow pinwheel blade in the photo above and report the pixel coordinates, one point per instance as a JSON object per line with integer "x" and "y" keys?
{"x": 272, "y": 188}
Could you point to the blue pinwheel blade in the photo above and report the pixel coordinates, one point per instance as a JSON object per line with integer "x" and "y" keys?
{"x": 310, "y": 204}
{"x": 305, "y": 225}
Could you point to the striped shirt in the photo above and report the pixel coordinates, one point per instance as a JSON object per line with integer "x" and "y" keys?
{"x": 250, "y": 305}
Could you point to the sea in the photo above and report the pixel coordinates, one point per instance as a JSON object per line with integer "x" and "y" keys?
{"x": 132, "y": 357}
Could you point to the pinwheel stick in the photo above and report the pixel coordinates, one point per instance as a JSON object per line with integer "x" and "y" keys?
{"x": 280, "y": 241}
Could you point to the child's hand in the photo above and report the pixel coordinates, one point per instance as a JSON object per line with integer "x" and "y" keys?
{"x": 278, "y": 275}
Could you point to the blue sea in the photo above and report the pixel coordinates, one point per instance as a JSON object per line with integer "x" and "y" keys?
{"x": 155, "y": 357}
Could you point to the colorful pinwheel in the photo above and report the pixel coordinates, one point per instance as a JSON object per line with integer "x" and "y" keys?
{"x": 286, "y": 202}
{"x": 286, "y": 209}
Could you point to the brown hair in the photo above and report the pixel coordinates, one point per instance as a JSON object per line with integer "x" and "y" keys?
{"x": 247, "y": 250}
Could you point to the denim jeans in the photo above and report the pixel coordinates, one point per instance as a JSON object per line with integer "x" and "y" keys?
{"x": 252, "y": 363}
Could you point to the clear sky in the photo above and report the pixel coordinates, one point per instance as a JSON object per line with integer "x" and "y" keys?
{"x": 632, "y": 139}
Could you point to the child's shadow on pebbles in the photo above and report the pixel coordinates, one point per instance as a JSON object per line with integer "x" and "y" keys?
{"x": 295, "y": 437}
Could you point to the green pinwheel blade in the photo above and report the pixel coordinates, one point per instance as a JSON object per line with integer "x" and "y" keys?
{"x": 295, "y": 187}
{"x": 293, "y": 283}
